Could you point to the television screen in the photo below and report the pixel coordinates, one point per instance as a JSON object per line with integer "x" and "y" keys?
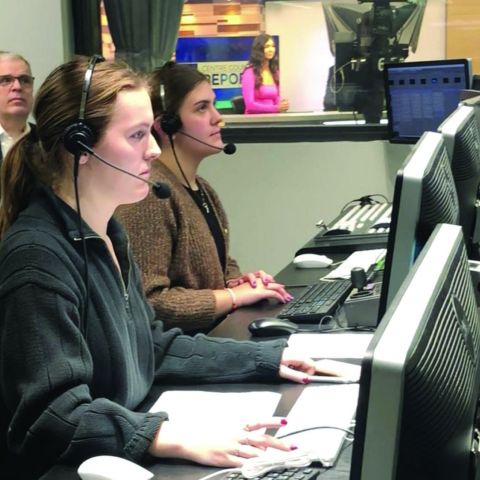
{"x": 419, "y": 383}
{"x": 221, "y": 59}
{"x": 420, "y": 95}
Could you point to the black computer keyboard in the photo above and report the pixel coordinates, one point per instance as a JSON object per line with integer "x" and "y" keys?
{"x": 303, "y": 473}
{"x": 317, "y": 301}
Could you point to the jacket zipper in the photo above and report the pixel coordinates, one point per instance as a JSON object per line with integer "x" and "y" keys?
{"x": 124, "y": 287}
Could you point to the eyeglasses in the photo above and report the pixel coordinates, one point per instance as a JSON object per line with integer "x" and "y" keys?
{"x": 25, "y": 80}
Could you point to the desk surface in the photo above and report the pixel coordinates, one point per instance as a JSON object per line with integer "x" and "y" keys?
{"x": 180, "y": 470}
{"x": 295, "y": 279}
{"x": 234, "y": 326}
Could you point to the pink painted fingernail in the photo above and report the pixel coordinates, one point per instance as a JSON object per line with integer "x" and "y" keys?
{"x": 306, "y": 380}
{"x": 283, "y": 421}
{"x": 293, "y": 447}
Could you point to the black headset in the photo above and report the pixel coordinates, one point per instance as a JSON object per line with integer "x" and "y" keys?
{"x": 170, "y": 122}
{"x": 80, "y": 132}
{"x": 75, "y": 136}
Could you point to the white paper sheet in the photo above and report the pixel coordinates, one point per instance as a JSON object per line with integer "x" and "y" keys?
{"x": 326, "y": 405}
{"x": 361, "y": 258}
{"x": 331, "y": 345}
{"x": 226, "y": 408}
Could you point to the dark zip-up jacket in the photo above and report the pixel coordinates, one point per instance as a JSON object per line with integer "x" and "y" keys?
{"x": 65, "y": 396}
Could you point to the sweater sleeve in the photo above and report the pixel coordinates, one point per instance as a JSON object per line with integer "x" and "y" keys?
{"x": 45, "y": 370}
{"x": 248, "y": 91}
{"x": 203, "y": 359}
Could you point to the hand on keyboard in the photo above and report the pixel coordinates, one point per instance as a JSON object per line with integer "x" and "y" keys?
{"x": 244, "y": 294}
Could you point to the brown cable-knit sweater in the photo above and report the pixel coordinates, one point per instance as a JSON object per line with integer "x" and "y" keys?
{"x": 176, "y": 252}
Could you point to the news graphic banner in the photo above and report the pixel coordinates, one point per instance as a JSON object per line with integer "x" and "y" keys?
{"x": 221, "y": 59}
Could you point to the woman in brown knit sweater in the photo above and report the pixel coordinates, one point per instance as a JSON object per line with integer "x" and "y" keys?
{"x": 182, "y": 243}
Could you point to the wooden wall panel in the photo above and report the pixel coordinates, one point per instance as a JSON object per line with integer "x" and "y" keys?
{"x": 229, "y": 9}
{"x": 463, "y": 31}
{"x": 216, "y": 17}
{"x": 108, "y": 47}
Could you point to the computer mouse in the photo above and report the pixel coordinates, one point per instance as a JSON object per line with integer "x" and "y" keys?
{"x": 312, "y": 260}
{"x": 272, "y": 327}
{"x": 108, "y": 467}
{"x": 338, "y": 231}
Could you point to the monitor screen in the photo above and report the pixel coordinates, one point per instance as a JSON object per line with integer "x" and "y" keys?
{"x": 462, "y": 138}
{"x": 420, "y": 95}
{"x": 424, "y": 195}
{"x": 420, "y": 377}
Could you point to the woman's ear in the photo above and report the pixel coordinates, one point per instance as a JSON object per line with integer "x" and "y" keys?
{"x": 84, "y": 157}
{"x": 156, "y": 126}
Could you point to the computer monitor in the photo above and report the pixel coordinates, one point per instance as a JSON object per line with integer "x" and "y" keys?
{"x": 420, "y": 95}
{"x": 461, "y": 135}
{"x": 419, "y": 382}
{"x": 424, "y": 195}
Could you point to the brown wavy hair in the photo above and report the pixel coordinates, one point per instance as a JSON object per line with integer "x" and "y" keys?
{"x": 257, "y": 57}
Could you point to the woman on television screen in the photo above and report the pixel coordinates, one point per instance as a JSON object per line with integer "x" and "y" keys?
{"x": 260, "y": 79}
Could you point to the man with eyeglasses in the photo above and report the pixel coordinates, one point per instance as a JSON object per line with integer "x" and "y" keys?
{"x": 16, "y": 99}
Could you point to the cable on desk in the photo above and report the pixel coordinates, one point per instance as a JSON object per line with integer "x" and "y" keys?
{"x": 352, "y": 329}
{"x": 350, "y": 439}
{"x": 325, "y": 318}
{"x": 366, "y": 200}
{"x": 317, "y": 427}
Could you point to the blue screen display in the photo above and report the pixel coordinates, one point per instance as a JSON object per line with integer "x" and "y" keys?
{"x": 221, "y": 59}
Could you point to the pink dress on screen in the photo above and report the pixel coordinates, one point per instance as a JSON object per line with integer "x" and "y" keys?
{"x": 264, "y": 99}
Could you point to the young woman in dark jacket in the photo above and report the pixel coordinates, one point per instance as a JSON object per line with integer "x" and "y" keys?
{"x": 79, "y": 346}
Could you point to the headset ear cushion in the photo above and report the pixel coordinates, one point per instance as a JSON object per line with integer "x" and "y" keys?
{"x": 170, "y": 123}
{"x": 77, "y": 133}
